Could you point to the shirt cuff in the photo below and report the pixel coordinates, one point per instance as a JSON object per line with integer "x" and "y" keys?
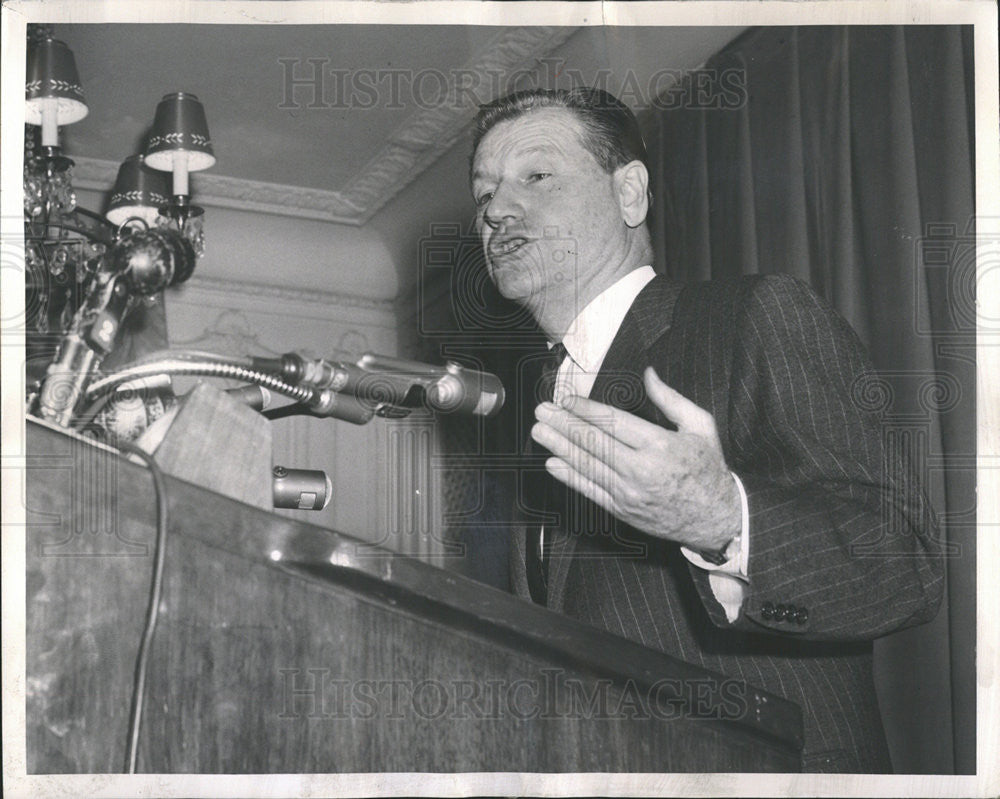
{"x": 737, "y": 561}
{"x": 729, "y": 580}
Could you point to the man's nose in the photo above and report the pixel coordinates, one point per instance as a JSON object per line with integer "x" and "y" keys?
{"x": 503, "y": 207}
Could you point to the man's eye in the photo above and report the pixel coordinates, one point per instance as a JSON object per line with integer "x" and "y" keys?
{"x": 534, "y": 177}
{"x": 484, "y": 198}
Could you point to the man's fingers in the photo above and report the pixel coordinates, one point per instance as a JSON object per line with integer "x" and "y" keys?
{"x": 556, "y": 421}
{"x": 688, "y": 417}
{"x": 575, "y": 411}
{"x": 593, "y": 460}
{"x": 565, "y": 473}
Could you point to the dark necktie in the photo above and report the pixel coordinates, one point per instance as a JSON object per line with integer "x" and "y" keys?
{"x": 538, "y": 566}
{"x": 550, "y": 369}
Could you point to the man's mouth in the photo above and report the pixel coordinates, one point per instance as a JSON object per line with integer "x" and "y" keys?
{"x": 498, "y": 249}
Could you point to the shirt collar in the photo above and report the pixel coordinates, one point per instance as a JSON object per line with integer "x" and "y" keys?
{"x": 590, "y": 335}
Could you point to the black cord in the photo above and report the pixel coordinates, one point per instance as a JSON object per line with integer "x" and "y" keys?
{"x": 152, "y": 611}
{"x": 294, "y": 409}
{"x": 91, "y": 412}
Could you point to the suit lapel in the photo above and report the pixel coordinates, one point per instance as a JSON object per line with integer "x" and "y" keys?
{"x": 619, "y": 383}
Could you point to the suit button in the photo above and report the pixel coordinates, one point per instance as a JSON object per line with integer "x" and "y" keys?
{"x": 801, "y": 616}
{"x": 767, "y": 610}
{"x": 781, "y": 613}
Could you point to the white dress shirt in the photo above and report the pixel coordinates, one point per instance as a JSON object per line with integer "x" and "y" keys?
{"x": 587, "y": 343}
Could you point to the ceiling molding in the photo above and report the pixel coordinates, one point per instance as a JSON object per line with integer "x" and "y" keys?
{"x": 423, "y": 138}
{"x": 429, "y": 133}
{"x": 219, "y": 191}
{"x": 311, "y": 297}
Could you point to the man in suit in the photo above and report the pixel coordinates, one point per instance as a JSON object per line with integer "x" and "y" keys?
{"x": 721, "y": 492}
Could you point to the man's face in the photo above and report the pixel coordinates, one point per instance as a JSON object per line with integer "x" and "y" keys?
{"x": 547, "y": 213}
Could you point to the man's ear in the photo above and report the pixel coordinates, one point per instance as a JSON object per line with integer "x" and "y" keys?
{"x": 632, "y": 184}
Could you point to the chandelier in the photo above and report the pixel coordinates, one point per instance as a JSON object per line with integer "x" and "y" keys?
{"x": 87, "y": 272}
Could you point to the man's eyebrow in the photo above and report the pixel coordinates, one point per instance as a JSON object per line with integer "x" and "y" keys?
{"x": 531, "y": 150}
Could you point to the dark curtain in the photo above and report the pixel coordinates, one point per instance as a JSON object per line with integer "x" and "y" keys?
{"x": 844, "y": 156}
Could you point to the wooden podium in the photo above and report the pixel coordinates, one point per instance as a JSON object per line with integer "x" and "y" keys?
{"x": 282, "y": 647}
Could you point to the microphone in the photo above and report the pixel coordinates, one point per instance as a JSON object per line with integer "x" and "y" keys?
{"x": 66, "y": 379}
{"x": 257, "y": 397}
{"x": 382, "y": 383}
{"x": 453, "y": 389}
{"x": 88, "y": 341}
{"x": 139, "y": 264}
{"x": 301, "y": 489}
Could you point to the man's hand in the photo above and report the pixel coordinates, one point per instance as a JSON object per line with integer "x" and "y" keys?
{"x": 669, "y": 484}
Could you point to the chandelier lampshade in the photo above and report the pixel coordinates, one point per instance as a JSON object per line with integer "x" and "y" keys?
{"x": 180, "y": 135}
{"x": 139, "y": 192}
{"x": 179, "y": 141}
{"x": 53, "y": 93}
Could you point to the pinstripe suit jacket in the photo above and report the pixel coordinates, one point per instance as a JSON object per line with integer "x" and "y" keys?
{"x": 837, "y": 526}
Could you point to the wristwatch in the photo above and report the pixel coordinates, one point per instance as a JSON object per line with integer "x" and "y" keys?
{"x": 719, "y": 556}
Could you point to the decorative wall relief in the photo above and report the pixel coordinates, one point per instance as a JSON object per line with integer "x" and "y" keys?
{"x": 378, "y": 473}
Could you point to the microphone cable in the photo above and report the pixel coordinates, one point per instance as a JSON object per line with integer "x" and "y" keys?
{"x": 152, "y": 610}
